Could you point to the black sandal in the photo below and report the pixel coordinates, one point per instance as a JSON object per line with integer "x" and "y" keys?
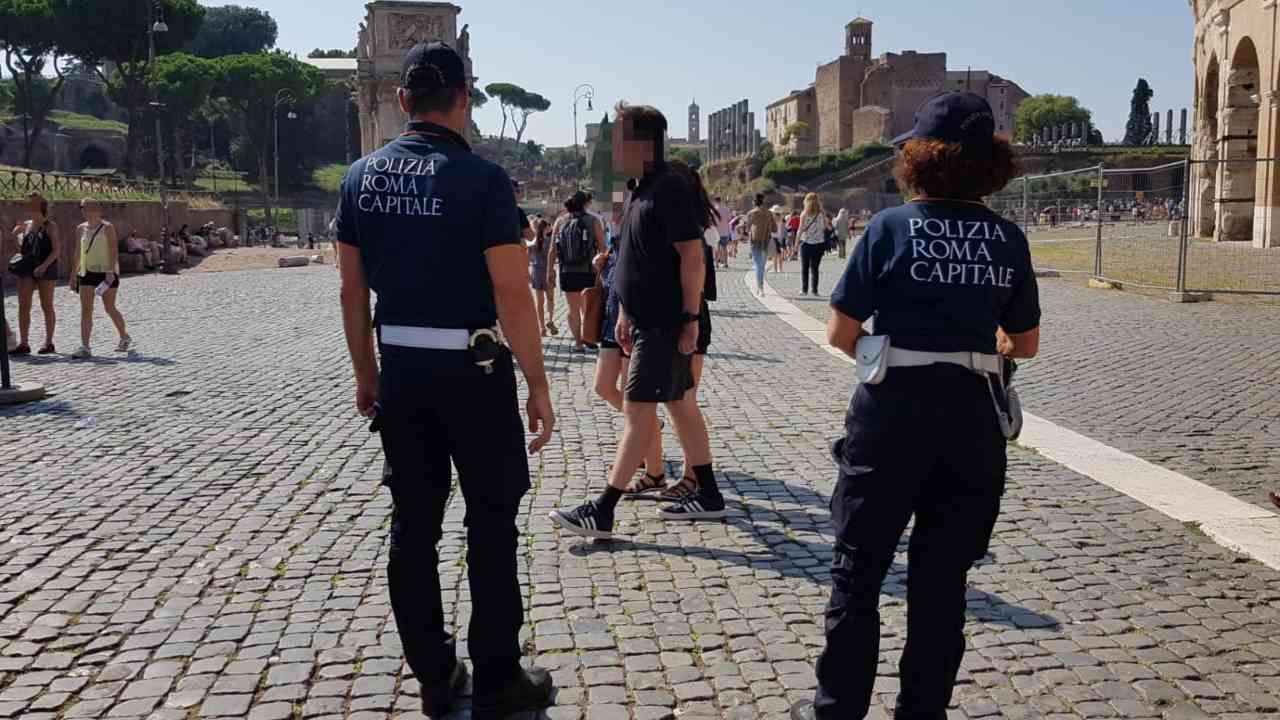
{"x": 23, "y": 349}
{"x": 641, "y": 487}
{"x": 681, "y": 490}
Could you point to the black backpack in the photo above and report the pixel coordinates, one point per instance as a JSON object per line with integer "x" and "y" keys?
{"x": 576, "y": 244}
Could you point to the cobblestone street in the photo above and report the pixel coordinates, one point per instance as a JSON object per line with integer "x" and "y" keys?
{"x": 197, "y": 531}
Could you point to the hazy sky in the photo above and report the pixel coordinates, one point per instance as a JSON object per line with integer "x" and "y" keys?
{"x": 665, "y": 52}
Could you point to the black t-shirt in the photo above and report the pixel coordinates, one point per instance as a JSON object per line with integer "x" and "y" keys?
{"x": 423, "y": 210}
{"x": 661, "y": 213}
{"x": 524, "y": 219}
{"x": 940, "y": 277}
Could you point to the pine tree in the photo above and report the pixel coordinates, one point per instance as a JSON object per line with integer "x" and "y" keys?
{"x": 1138, "y": 130}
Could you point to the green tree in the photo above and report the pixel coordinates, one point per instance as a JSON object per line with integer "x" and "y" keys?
{"x": 232, "y": 30}
{"x": 1041, "y": 111}
{"x": 533, "y": 150}
{"x": 117, "y": 31}
{"x": 1138, "y": 130}
{"x": 250, "y": 84}
{"x": 31, "y": 36}
{"x": 181, "y": 83}
{"x": 687, "y": 156}
{"x": 319, "y": 54}
{"x": 508, "y": 95}
{"x": 526, "y": 105}
{"x": 798, "y": 130}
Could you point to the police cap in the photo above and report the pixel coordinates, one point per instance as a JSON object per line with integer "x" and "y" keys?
{"x": 433, "y": 66}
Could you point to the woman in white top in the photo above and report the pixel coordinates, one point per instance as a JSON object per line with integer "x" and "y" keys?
{"x": 812, "y": 239}
{"x": 97, "y": 272}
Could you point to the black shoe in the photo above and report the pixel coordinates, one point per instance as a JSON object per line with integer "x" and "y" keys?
{"x": 697, "y": 506}
{"x": 438, "y": 699}
{"x": 586, "y": 520}
{"x": 803, "y": 710}
{"x": 531, "y": 691}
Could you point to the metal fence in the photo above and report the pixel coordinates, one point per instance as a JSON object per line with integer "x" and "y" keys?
{"x": 1184, "y": 226}
{"x": 19, "y": 182}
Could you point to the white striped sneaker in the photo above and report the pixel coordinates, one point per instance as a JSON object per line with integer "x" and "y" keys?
{"x": 695, "y": 507}
{"x": 586, "y": 520}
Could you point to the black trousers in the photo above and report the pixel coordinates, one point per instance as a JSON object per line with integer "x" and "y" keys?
{"x": 439, "y": 407}
{"x": 810, "y": 261}
{"x": 926, "y": 443}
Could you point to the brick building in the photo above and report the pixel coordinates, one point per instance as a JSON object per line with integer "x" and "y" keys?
{"x": 858, "y": 98}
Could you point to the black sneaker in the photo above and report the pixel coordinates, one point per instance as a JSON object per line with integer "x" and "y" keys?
{"x": 531, "y": 691}
{"x": 698, "y": 506}
{"x": 804, "y": 710}
{"x": 438, "y": 699}
{"x": 586, "y": 520}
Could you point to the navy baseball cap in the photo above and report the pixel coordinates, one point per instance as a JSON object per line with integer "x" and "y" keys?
{"x": 954, "y": 117}
{"x": 432, "y": 66}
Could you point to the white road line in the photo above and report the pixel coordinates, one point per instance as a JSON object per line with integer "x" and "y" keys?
{"x": 1232, "y": 523}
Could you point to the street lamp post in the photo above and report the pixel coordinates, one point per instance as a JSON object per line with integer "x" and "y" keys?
{"x": 583, "y": 91}
{"x": 282, "y": 96}
{"x": 158, "y": 26}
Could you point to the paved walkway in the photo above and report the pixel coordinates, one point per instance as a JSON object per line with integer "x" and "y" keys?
{"x": 212, "y": 545}
{"x": 1193, "y": 388}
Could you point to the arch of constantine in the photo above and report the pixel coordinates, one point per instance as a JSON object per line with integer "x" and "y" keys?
{"x": 1234, "y": 193}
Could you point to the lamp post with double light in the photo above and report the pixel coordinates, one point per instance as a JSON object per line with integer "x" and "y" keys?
{"x": 283, "y": 97}
{"x": 158, "y": 25}
{"x": 583, "y": 92}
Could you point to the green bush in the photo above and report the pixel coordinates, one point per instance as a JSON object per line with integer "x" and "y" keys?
{"x": 794, "y": 170}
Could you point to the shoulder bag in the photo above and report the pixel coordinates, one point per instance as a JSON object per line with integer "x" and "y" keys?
{"x": 593, "y": 299}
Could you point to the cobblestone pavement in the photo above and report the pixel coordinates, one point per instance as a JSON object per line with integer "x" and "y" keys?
{"x": 1194, "y": 388}
{"x": 213, "y": 547}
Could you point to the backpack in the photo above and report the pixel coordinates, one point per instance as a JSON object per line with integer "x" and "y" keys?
{"x": 760, "y": 235}
{"x": 576, "y": 244}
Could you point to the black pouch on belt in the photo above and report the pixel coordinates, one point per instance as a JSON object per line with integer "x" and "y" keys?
{"x": 1004, "y": 396}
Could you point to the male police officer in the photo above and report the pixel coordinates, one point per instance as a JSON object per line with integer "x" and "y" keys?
{"x": 434, "y": 231}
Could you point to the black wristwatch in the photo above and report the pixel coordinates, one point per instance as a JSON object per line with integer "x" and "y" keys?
{"x": 687, "y": 318}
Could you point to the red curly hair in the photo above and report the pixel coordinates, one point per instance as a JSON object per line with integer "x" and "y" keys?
{"x": 936, "y": 169}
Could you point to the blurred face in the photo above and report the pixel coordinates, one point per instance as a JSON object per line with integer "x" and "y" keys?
{"x": 631, "y": 153}
{"x": 92, "y": 211}
{"x": 34, "y": 205}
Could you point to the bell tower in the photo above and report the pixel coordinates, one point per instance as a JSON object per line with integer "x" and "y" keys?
{"x": 695, "y": 123}
{"x": 857, "y": 39}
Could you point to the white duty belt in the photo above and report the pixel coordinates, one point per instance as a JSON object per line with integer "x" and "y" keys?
{"x": 977, "y": 362}
{"x": 425, "y": 338}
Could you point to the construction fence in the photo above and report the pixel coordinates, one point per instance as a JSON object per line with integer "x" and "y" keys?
{"x": 1134, "y": 226}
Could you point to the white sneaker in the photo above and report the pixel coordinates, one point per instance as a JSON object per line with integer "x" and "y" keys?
{"x": 82, "y": 354}
{"x": 126, "y": 342}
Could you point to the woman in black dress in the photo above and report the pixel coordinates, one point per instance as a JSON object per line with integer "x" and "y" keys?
{"x": 37, "y": 272}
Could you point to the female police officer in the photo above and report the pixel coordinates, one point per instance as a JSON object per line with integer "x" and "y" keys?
{"x": 942, "y": 276}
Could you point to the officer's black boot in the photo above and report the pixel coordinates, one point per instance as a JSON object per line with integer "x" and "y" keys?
{"x": 531, "y": 691}
{"x": 438, "y": 698}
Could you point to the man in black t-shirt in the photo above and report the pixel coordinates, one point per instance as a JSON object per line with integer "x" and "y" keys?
{"x": 660, "y": 280}
{"x": 434, "y": 231}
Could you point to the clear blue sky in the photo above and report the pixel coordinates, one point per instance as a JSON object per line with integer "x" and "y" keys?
{"x": 665, "y": 52}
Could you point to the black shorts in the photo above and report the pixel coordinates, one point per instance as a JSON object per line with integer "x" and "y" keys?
{"x": 94, "y": 279}
{"x": 660, "y": 373}
{"x": 572, "y": 282}
{"x": 50, "y": 275}
{"x": 609, "y": 345}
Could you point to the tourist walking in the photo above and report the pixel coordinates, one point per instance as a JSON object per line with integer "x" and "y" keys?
{"x": 927, "y": 429}
{"x": 96, "y": 273}
{"x": 842, "y": 225}
{"x": 780, "y": 242}
{"x": 36, "y": 267}
{"x": 761, "y": 228}
{"x": 542, "y": 276}
{"x": 660, "y": 279}
{"x": 579, "y": 237}
{"x": 812, "y": 240}
{"x": 446, "y": 395}
{"x": 612, "y": 368}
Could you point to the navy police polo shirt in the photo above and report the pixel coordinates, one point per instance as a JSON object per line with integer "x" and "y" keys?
{"x": 941, "y": 276}
{"x": 423, "y": 210}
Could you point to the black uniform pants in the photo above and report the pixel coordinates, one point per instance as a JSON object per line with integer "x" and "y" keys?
{"x": 437, "y": 408}
{"x": 926, "y": 443}
{"x": 810, "y": 263}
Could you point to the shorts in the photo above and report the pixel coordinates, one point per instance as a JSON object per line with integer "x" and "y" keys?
{"x": 572, "y": 282}
{"x": 610, "y": 345}
{"x": 94, "y": 279}
{"x": 660, "y": 373}
{"x": 50, "y": 275}
{"x": 538, "y": 277}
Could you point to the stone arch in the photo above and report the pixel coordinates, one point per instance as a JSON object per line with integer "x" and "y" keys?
{"x": 1205, "y": 148}
{"x": 1239, "y": 145}
{"x": 93, "y": 157}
